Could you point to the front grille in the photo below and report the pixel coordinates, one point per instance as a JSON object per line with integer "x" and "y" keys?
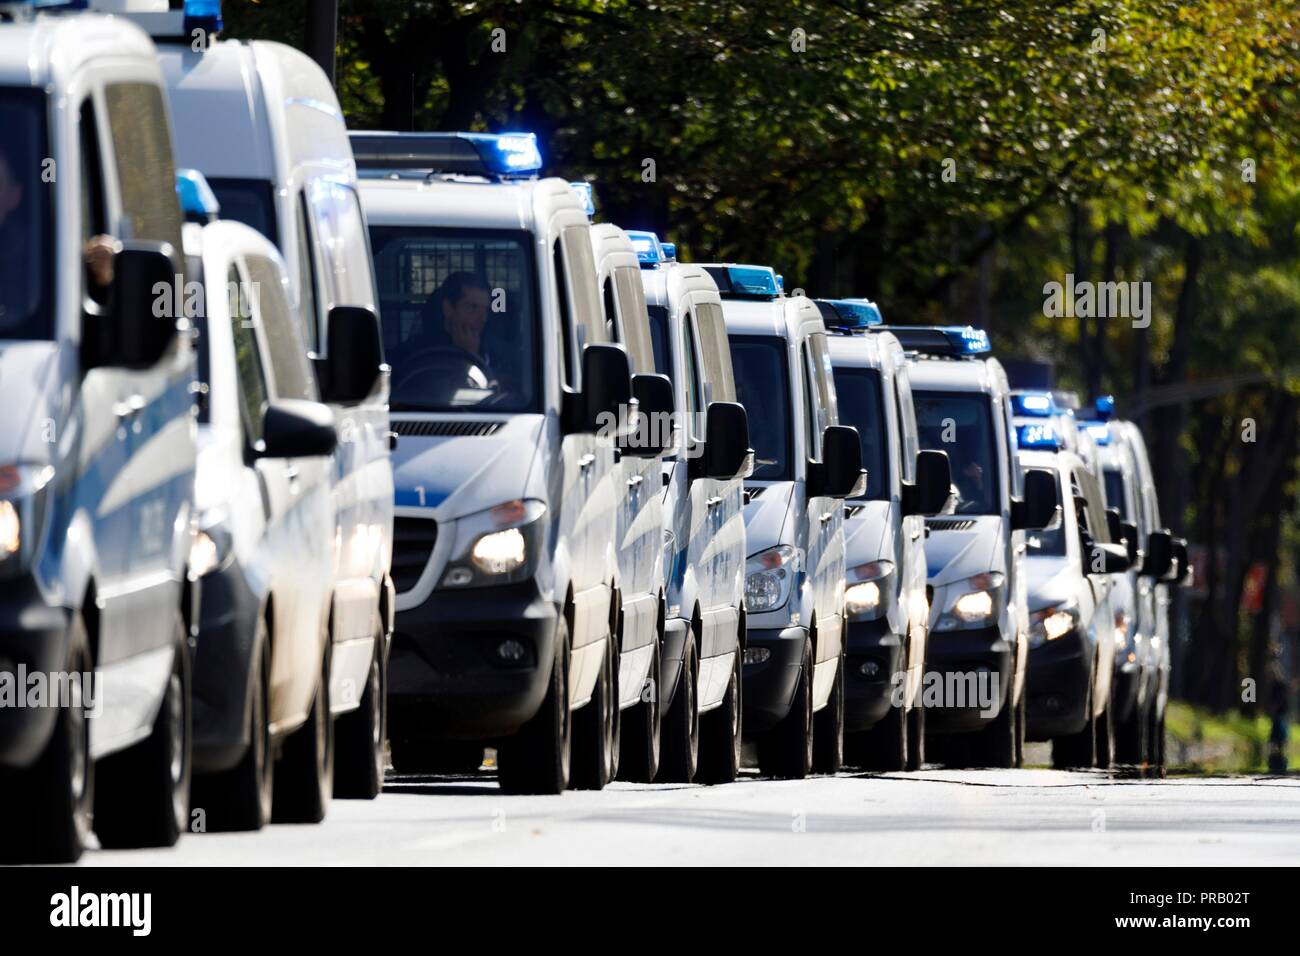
{"x": 413, "y": 540}
{"x": 959, "y": 524}
{"x": 428, "y": 429}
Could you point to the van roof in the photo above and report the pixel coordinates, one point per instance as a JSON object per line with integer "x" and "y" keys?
{"x": 612, "y": 248}
{"x": 37, "y": 52}
{"x": 953, "y": 375}
{"x": 673, "y": 280}
{"x": 787, "y": 316}
{"x": 221, "y": 99}
{"x": 467, "y": 202}
{"x": 860, "y": 351}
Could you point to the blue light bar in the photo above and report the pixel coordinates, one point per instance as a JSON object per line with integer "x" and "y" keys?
{"x": 745, "y": 282}
{"x": 669, "y": 250}
{"x": 649, "y": 250}
{"x": 1033, "y": 404}
{"x": 1038, "y": 435}
{"x": 503, "y": 155}
{"x": 1099, "y": 432}
{"x": 198, "y": 202}
{"x": 203, "y": 15}
{"x": 508, "y": 154}
{"x": 849, "y": 313}
{"x": 1104, "y": 407}
{"x": 586, "y": 196}
{"x": 780, "y": 282}
{"x": 953, "y": 341}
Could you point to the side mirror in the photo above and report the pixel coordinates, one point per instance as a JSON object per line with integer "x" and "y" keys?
{"x": 1114, "y": 526}
{"x": 354, "y": 355}
{"x": 1037, "y": 509}
{"x": 1105, "y": 559}
{"x": 1160, "y": 554}
{"x": 1135, "y": 554}
{"x": 295, "y": 428}
{"x": 726, "y": 442}
{"x": 929, "y": 493}
{"x": 654, "y": 434}
{"x": 839, "y": 474}
{"x": 131, "y": 334}
{"x": 1181, "y": 570}
{"x": 605, "y": 402}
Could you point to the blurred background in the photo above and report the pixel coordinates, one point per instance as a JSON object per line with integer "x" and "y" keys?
{"x": 949, "y": 159}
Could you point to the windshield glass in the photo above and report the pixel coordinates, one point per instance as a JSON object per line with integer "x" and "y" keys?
{"x": 659, "y": 339}
{"x": 763, "y": 387}
{"x": 26, "y": 307}
{"x": 460, "y": 318}
{"x": 1115, "y": 491}
{"x": 250, "y": 201}
{"x": 961, "y": 424}
{"x": 858, "y": 391}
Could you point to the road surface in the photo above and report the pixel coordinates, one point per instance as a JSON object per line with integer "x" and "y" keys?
{"x": 1030, "y": 817}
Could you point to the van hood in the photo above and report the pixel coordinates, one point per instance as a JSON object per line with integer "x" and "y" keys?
{"x": 767, "y": 513}
{"x": 969, "y": 545}
{"x": 1050, "y": 580}
{"x": 868, "y": 531}
{"x": 25, "y": 372}
{"x": 460, "y": 474}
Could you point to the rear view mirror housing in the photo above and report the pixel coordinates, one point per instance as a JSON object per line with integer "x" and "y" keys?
{"x": 353, "y": 364}
{"x": 654, "y": 431}
{"x": 928, "y": 495}
{"x": 605, "y": 402}
{"x": 726, "y": 452}
{"x": 1181, "y": 572}
{"x": 1135, "y": 553}
{"x": 1038, "y": 508}
{"x": 1159, "y": 554}
{"x": 1106, "y": 559}
{"x": 839, "y": 474}
{"x": 296, "y": 428}
{"x": 130, "y": 334}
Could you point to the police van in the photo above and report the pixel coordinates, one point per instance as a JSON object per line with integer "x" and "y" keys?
{"x": 260, "y": 120}
{"x": 884, "y": 534}
{"x": 979, "y": 625}
{"x": 97, "y": 448}
{"x": 806, "y": 463}
{"x": 504, "y": 382}
{"x": 701, "y": 668}
{"x": 263, "y": 552}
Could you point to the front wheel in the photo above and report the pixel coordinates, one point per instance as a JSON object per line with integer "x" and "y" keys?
{"x": 787, "y": 749}
{"x": 681, "y": 727}
{"x": 828, "y": 727}
{"x": 359, "y": 750}
{"x": 304, "y": 780}
{"x": 720, "y": 733}
{"x": 536, "y": 759}
{"x": 1078, "y": 751}
{"x": 593, "y": 728}
{"x": 639, "y": 741}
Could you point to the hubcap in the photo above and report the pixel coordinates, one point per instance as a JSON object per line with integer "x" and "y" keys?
{"x": 77, "y": 744}
{"x": 176, "y": 708}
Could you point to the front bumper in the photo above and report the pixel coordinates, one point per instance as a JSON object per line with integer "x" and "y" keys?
{"x": 445, "y": 677}
{"x": 867, "y": 697}
{"x": 957, "y": 657}
{"x": 223, "y": 668}
{"x": 769, "y": 686}
{"x": 1057, "y": 687}
{"x": 33, "y": 640}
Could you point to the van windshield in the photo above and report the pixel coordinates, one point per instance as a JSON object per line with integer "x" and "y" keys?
{"x": 250, "y": 201}
{"x": 26, "y": 293}
{"x": 460, "y": 319}
{"x": 961, "y": 424}
{"x": 763, "y": 387}
{"x": 858, "y": 391}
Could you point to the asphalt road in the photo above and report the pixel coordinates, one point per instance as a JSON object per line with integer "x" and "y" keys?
{"x": 934, "y": 817}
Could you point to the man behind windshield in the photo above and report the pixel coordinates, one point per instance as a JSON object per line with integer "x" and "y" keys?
{"x": 459, "y": 309}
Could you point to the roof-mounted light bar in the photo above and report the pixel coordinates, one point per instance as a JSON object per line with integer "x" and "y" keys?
{"x": 849, "y": 314}
{"x": 1038, "y": 436}
{"x": 952, "y": 341}
{"x": 492, "y": 155}
{"x": 745, "y": 282}
{"x": 198, "y": 202}
{"x": 650, "y": 252}
{"x": 1033, "y": 404}
{"x": 586, "y": 196}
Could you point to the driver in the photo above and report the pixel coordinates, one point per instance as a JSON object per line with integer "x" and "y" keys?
{"x": 460, "y": 308}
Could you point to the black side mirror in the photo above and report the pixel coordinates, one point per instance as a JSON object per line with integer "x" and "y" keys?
{"x": 1037, "y": 509}
{"x": 1104, "y": 558}
{"x": 726, "y": 442}
{"x": 654, "y": 433}
{"x": 354, "y": 355}
{"x": 605, "y": 403}
{"x": 1160, "y": 554}
{"x": 839, "y": 474}
{"x": 131, "y": 334}
{"x": 295, "y": 428}
{"x": 1181, "y": 570}
{"x": 1114, "y": 526}
{"x": 1135, "y": 553}
{"x": 928, "y": 495}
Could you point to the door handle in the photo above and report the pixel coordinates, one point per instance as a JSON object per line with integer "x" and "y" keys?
{"x": 292, "y": 474}
{"x": 634, "y": 481}
{"x": 714, "y": 501}
{"x": 586, "y": 461}
{"x": 128, "y": 406}
{"x": 827, "y": 516}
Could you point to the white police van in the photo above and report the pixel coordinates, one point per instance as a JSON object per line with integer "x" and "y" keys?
{"x": 97, "y": 443}
{"x": 805, "y": 464}
{"x": 979, "y": 624}
{"x": 263, "y": 555}
{"x": 702, "y": 662}
{"x": 884, "y": 533}
{"x": 262, "y": 123}
{"x": 502, "y": 377}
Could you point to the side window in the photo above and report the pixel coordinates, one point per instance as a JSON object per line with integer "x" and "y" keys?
{"x": 823, "y": 376}
{"x": 290, "y": 367}
{"x": 94, "y": 216}
{"x": 634, "y": 318}
{"x": 907, "y": 415}
{"x": 717, "y": 352}
{"x": 813, "y": 437}
{"x": 142, "y": 152}
{"x": 248, "y": 358}
{"x": 694, "y": 393}
{"x": 583, "y": 286}
{"x": 611, "y": 318}
{"x": 307, "y": 274}
{"x": 564, "y": 327}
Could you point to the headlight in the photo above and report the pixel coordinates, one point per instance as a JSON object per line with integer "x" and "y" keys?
{"x": 1052, "y": 622}
{"x": 977, "y": 605}
{"x": 862, "y": 598}
{"x": 211, "y": 545}
{"x": 11, "y": 538}
{"x": 1121, "y": 629}
{"x": 869, "y": 590}
{"x": 769, "y": 575}
{"x": 21, "y": 512}
{"x": 496, "y": 546}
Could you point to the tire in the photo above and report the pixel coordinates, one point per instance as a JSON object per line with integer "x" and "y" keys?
{"x": 916, "y": 735}
{"x": 720, "y": 731}
{"x": 417, "y": 756}
{"x": 240, "y": 798}
{"x": 1104, "y": 747}
{"x": 593, "y": 728}
{"x": 786, "y": 750}
{"x": 1021, "y": 724}
{"x": 359, "y": 736}
{"x": 1156, "y": 742}
{"x": 885, "y": 746}
{"x": 680, "y": 754}
{"x": 828, "y": 727}
{"x": 142, "y": 795}
{"x": 639, "y": 740}
{"x": 304, "y": 779}
{"x": 46, "y": 809}
{"x": 997, "y": 744}
{"x": 537, "y": 758}
{"x": 1131, "y": 738}
{"x": 1078, "y": 750}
